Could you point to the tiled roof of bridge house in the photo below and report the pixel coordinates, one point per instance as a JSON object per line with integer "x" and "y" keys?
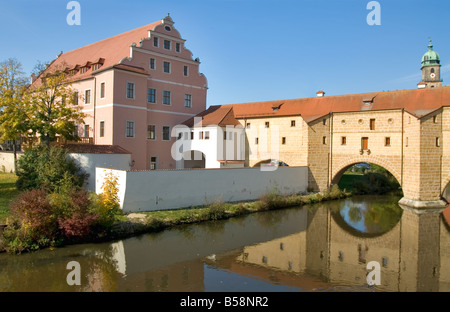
{"x": 418, "y": 102}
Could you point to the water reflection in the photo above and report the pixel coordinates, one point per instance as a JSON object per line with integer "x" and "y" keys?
{"x": 324, "y": 247}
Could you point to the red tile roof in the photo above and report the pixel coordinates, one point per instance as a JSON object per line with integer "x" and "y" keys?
{"x": 95, "y": 149}
{"x": 215, "y": 115}
{"x": 109, "y": 51}
{"x": 418, "y": 102}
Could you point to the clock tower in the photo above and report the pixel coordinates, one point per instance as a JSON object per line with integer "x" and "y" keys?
{"x": 431, "y": 69}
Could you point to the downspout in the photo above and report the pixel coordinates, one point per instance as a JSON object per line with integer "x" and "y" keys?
{"x": 330, "y": 165}
{"x": 95, "y": 99}
{"x": 403, "y": 135}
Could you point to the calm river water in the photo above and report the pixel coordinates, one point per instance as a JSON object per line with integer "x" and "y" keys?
{"x": 322, "y": 247}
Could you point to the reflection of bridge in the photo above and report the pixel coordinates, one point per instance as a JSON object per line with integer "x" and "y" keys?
{"x": 318, "y": 253}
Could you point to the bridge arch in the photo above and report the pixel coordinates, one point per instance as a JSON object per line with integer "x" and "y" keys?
{"x": 343, "y": 165}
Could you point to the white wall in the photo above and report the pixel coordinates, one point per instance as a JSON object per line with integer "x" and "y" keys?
{"x": 172, "y": 189}
{"x": 88, "y": 163}
{"x": 7, "y": 161}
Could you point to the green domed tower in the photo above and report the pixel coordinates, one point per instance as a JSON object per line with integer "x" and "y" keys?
{"x": 431, "y": 69}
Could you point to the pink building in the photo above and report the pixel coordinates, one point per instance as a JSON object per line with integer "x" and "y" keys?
{"x": 136, "y": 87}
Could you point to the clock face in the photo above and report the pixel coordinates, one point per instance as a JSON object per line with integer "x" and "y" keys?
{"x": 432, "y": 75}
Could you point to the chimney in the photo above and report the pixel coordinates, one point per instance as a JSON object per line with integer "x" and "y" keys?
{"x": 33, "y": 77}
{"x": 320, "y": 93}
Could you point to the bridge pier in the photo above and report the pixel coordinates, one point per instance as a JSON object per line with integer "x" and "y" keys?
{"x": 421, "y": 206}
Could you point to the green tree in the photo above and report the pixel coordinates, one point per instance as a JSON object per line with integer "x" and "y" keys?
{"x": 52, "y": 102}
{"x": 13, "y": 116}
{"x": 48, "y": 168}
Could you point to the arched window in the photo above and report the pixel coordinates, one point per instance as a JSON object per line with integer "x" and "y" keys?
{"x": 432, "y": 70}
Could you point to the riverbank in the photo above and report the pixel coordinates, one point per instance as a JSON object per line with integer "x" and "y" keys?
{"x": 135, "y": 224}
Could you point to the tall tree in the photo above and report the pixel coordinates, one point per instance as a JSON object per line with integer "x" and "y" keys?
{"x": 52, "y": 102}
{"x": 12, "y": 110}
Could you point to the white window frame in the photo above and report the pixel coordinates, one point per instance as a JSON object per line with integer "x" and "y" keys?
{"x": 157, "y": 42}
{"x": 134, "y": 90}
{"x": 104, "y": 90}
{"x": 156, "y": 93}
{"x": 190, "y": 100}
{"x": 170, "y": 45}
{"x": 154, "y": 139}
{"x": 162, "y": 133}
{"x": 150, "y": 63}
{"x": 126, "y": 128}
{"x": 164, "y": 68}
{"x": 100, "y": 129}
{"x": 170, "y": 98}
{"x": 156, "y": 162}
{"x": 85, "y": 96}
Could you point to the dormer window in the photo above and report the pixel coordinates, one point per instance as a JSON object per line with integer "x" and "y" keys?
{"x": 84, "y": 69}
{"x": 96, "y": 66}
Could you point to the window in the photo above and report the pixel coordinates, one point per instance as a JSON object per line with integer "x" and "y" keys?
{"x": 166, "y": 67}
{"x": 364, "y": 143}
{"x": 267, "y": 124}
{"x": 324, "y": 140}
{"x": 206, "y": 135}
{"x": 86, "y": 131}
{"x": 155, "y": 42}
{"x": 153, "y": 162}
{"x": 248, "y": 125}
{"x": 434, "y": 119}
{"x": 87, "y": 96}
{"x": 387, "y": 141}
{"x": 151, "y": 132}
{"x": 167, "y": 44}
{"x": 152, "y": 63}
{"x": 200, "y": 135}
{"x": 283, "y": 140}
{"x": 151, "y": 95}
{"x": 192, "y": 135}
{"x": 324, "y": 122}
{"x": 102, "y": 90}
{"x": 256, "y": 141}
{"x": 406, "y": 143}
{"x": 438, "y": 143}
{"x": 75, "y": 98}
{"x": 166, "y": 97}
{"x": 343, "y": 140}
{"x": 186, "y": 70}
{"x": 187, "y": 100}
{"x": 372, "y": 124}
{"x": 166, "y": 133}
{"x": 129, "y": 129}
{"x": 84, "y": 69}
{"x": 178, "y": 47}
{"x": 102, "y": 129}
{"x": 292, "y": 123}
{"x": 130, "y": 90}
{"x": 96, "y": 66}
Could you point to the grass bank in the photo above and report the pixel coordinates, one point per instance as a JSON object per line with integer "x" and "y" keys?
{"x": 8, "y": 192}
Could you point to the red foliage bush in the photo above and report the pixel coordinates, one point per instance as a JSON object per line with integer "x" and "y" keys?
{"x": 33, "y": 210}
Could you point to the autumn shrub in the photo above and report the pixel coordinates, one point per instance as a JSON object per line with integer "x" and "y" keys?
{"x": 106, "y": 204}
{"x": 33, "y": 222}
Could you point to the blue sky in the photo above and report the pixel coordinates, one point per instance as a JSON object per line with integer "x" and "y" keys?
{"x": 253, "y": 50}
